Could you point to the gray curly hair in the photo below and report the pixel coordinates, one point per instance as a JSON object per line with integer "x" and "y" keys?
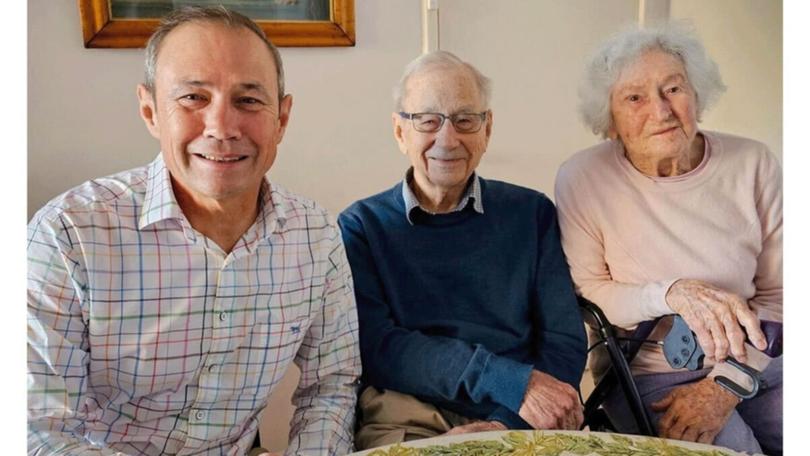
{"x": 216, "y": 14}
{"x": 620, "y": 50}
{"x": 441, "y": 59}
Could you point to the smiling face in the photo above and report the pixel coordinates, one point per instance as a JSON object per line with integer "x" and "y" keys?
{"x": 215, "y": 111}
{"x": 653, "y": 107}
{"x": 442, "y": 161}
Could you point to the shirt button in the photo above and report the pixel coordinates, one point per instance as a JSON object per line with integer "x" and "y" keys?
{"x": 223, "y": 316}
{"x": 213, "y": 368}
{"x": 199, "y": 415}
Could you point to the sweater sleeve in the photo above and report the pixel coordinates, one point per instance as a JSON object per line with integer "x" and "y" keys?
{"x": 509, "y": 418}
{"x": 432, "y": 367}
{"x": 560, "y": 340}
{"x": 767, "y": 300}
{"x": 625, "y": 305}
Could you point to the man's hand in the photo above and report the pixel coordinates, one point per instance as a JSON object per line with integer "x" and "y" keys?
{"x": 477, "y": 426}
{"x": 550, "y": 403}
{"x": 695, "y": 412}
{"x": 715, "y": 317}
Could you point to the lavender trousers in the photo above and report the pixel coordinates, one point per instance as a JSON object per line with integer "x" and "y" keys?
{"x": 755, "y": 425}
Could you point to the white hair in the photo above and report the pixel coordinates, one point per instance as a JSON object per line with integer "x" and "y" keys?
{"x": 444, "y": 60}
{"x": 603, "y": 69}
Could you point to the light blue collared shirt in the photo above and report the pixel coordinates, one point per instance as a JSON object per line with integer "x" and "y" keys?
{"x": 473, "y": 192}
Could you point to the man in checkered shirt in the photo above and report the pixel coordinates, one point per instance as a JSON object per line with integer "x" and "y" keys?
{"x": 165, "y": 303}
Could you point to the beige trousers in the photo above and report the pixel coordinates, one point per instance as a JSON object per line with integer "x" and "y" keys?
{"x": 388, "y": 417}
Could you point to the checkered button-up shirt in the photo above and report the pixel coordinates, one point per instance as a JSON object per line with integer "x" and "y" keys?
{"x": 145, "y": 338}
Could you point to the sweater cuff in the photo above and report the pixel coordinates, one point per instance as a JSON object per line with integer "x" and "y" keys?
{"x": 509, "y": 419}
{"x": 656, "y": 299}
{"x": 507, "y": 380}
{"x": 756, "y": 359}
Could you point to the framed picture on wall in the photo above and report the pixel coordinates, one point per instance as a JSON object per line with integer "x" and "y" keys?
{"x": 129, "y": 23}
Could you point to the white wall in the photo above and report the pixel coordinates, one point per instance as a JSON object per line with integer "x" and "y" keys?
{"x": 83, "y": 119}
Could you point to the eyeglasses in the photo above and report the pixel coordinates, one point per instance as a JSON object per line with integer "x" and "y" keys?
{"x": 431, "y": 122}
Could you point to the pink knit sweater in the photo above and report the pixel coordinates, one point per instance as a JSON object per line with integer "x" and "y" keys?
{"x": 628, "y": 236}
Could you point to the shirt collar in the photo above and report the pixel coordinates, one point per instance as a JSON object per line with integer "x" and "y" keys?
{"x": 160, "y": 203}
{"x": 472, "y": 192}
{"x": 274, "y": 202}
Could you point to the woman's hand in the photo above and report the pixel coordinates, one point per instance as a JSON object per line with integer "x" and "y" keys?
{"x": 716, "y": 317}
{"x": 696, "y": 412}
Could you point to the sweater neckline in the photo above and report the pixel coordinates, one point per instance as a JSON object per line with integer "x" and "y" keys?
{"x": 711, "y": 159}
{"x": 420, "y": 217}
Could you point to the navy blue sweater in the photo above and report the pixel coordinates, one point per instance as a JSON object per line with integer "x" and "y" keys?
{"x": 458, "y": 308}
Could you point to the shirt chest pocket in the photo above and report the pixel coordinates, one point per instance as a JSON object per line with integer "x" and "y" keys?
{"x": 283, "y": 319}
{"x": 279, "y": 333}
{"x": 272, "y": 347}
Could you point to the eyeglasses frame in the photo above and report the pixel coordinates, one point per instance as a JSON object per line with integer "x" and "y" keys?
{"x": 410, "y": 116}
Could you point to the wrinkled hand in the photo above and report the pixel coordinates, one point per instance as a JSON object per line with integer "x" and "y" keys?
{"x": 695, "y": 412}
{"x": 550, "y": 403}
{"x": 477, "y": 426}
{"x": 715, "y": 317}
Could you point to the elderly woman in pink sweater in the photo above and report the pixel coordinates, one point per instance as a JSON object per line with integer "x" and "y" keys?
{"x": 666, "y": 218}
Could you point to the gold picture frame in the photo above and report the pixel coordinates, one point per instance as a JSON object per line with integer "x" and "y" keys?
{"x": 101, "y": 30}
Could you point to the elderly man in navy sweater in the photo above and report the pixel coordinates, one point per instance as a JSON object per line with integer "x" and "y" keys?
{"x": 468, "y": 318}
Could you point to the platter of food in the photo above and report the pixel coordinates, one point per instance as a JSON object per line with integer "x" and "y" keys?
{"x": 542, "y": 443}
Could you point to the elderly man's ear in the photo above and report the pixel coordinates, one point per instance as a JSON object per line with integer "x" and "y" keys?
{"x": 396, "y": 119}
{"x": 148, "y": 111}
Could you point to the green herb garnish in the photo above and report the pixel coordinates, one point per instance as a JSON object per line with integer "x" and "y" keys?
{"x": 540, "y": 444}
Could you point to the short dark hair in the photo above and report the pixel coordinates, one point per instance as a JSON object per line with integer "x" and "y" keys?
{"x": 215, "y": 14}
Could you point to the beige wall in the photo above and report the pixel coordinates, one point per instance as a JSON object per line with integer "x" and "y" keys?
{"x": 745, "y": 38}
{"x": 534, "y": 52}
{"x": 83, "y": 120}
